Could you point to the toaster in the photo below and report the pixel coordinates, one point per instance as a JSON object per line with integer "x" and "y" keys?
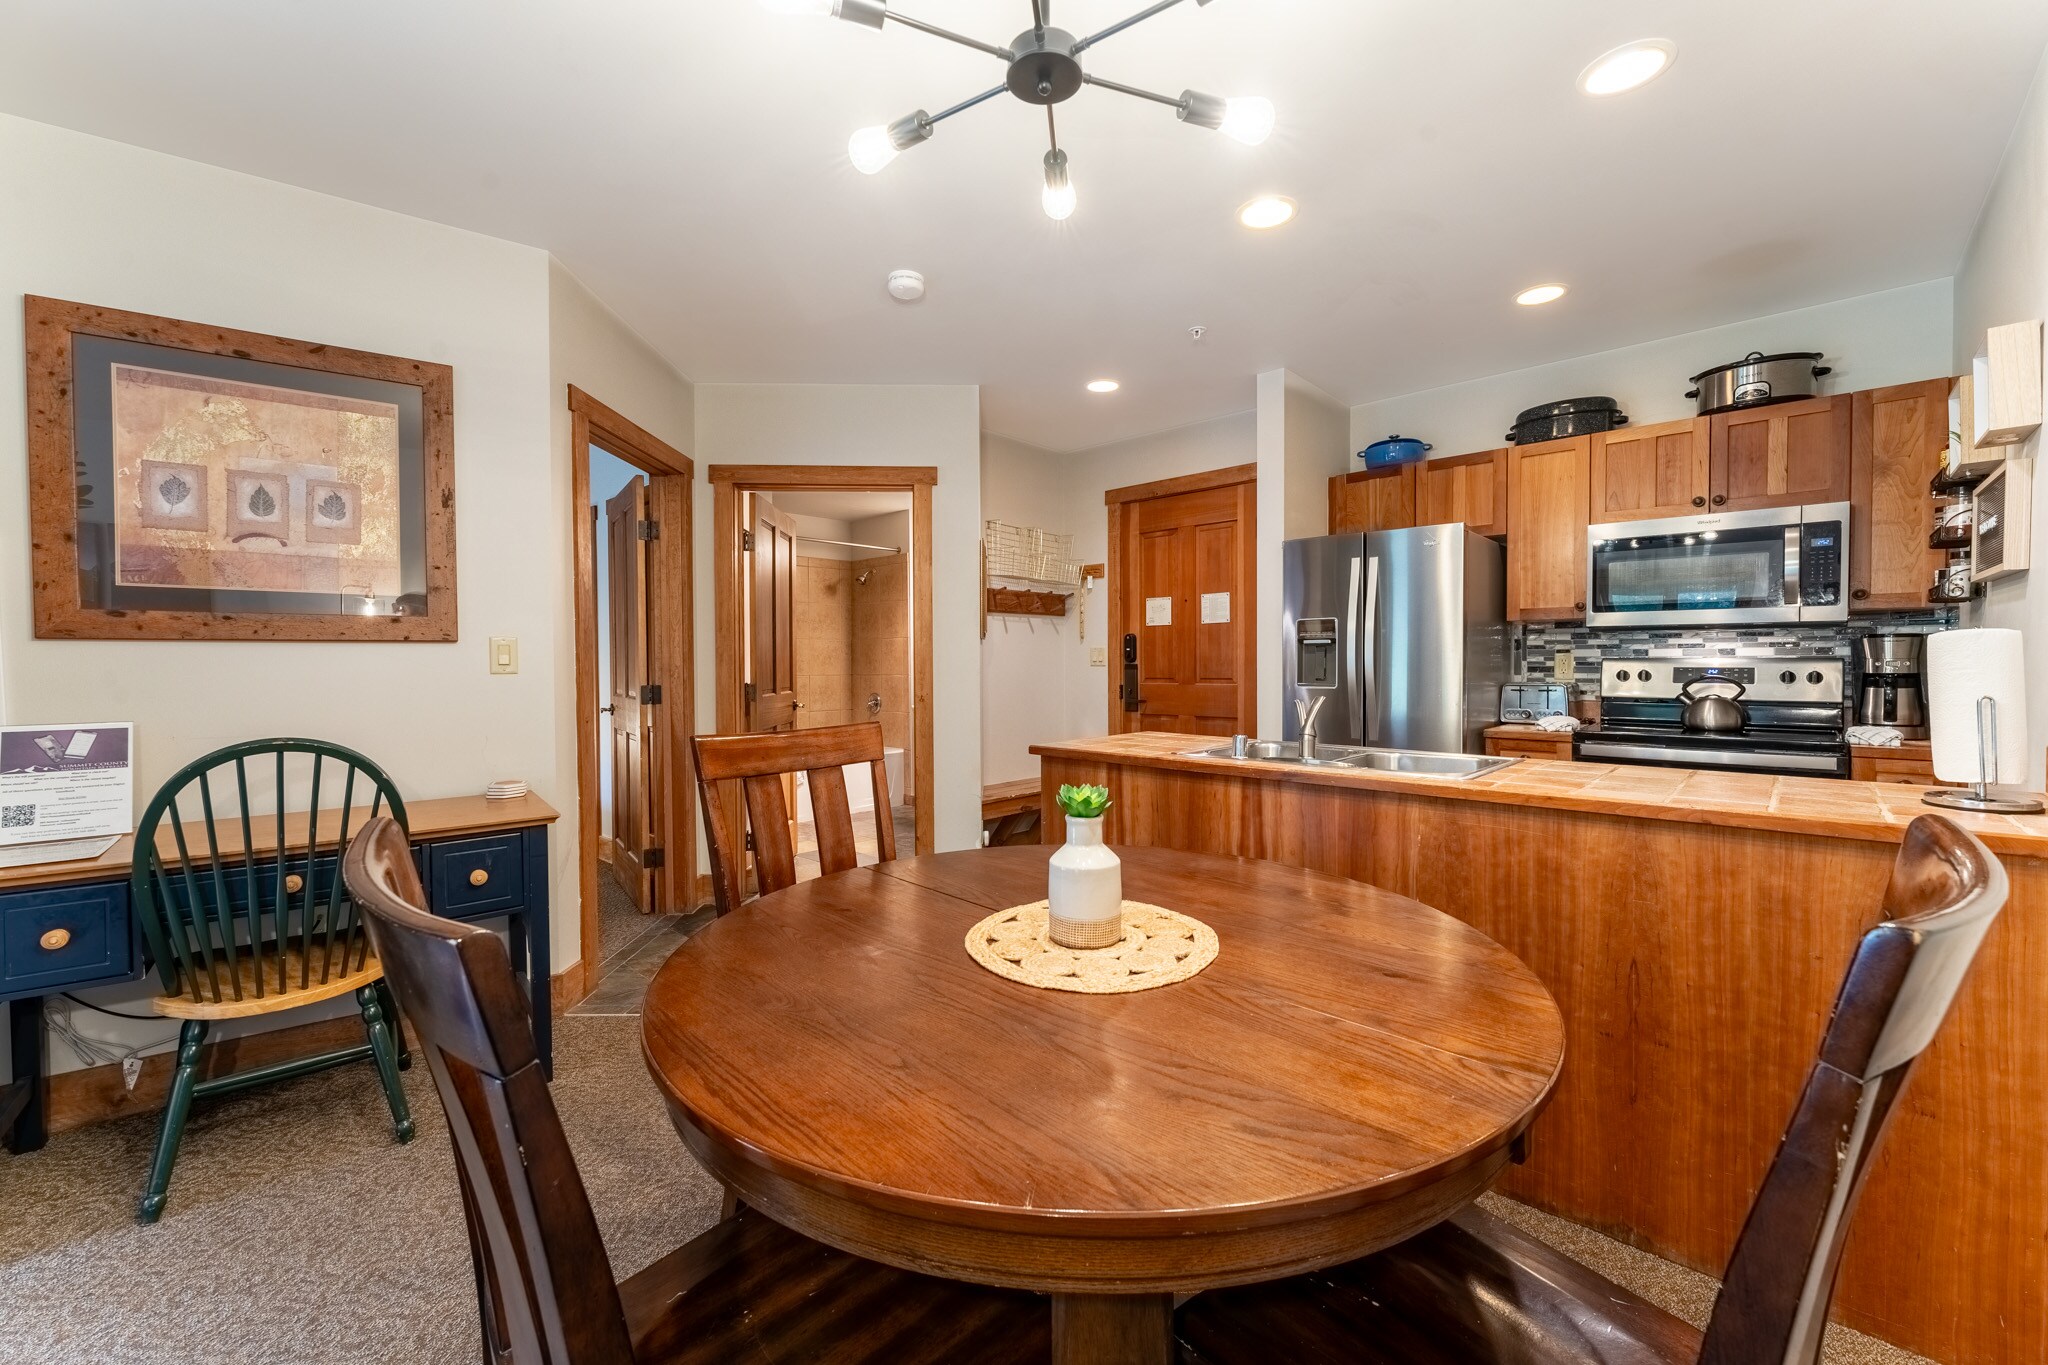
{"x": 1527, "y": 703}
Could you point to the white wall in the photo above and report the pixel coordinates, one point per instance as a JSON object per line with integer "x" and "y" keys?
{"x": 937, "y": 425}
{"x": 98, "y": 222}
{"x": 2004, "y": 278}
{"x": 1303, "y": 437}
{"x": 1893, "y": 337}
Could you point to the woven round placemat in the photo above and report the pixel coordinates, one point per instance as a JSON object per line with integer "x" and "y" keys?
{"x": 1159, "y": 947}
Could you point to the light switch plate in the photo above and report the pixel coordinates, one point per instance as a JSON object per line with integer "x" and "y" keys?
{"x": 1563, "y": 666}
{"x": 1098, "y": 657}
{"x": 504, "y": 654}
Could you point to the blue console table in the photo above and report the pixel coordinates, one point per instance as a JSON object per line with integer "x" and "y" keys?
{"x": 66, "y": 926}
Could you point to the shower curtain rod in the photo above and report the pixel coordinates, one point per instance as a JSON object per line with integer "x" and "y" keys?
{"x": 851, "y": 545}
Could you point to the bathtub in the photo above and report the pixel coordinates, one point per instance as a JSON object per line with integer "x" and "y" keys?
{"x": 860, "y": 786}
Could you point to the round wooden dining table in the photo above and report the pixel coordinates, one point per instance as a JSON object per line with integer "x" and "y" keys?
{"x": 1352, "y": 1068}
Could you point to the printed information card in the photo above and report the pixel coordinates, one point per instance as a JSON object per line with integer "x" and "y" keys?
{"x": 66, "y": 792}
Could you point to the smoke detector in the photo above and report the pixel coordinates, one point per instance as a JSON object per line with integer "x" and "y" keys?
{"x": 906, "y": 286}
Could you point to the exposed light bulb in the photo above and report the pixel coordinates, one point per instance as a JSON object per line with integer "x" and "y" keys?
{"x": 871, "y": 149}
{"x": 819, "y": 7}
{"x": 1059, "y": 188}
{"x": 1628, "y": 66}
{"x": 1248, "y": 118}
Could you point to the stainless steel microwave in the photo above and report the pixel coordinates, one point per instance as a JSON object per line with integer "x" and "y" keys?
{"x": 1730, "y": 569}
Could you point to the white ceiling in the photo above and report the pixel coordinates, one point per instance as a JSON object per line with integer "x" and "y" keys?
{"x": 686, "y": 159}
{"x": 842, "y": 504}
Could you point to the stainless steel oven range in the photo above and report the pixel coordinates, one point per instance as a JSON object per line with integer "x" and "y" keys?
{"x": 1792, "y": 721}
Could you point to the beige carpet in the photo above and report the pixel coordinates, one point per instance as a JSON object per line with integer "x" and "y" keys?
{"x": 298, "y": 1231}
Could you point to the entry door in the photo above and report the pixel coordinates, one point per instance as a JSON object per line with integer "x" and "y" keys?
{"x": 1186, "y": 611}
{"x": 771, "y": 687}
{"x": 632, "y": 805}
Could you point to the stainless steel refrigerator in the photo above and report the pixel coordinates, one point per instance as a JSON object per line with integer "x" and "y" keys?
{"x": 1402, "y": 632}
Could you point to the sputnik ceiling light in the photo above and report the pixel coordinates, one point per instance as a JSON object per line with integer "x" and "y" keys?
{"x": 1045, "y": 69}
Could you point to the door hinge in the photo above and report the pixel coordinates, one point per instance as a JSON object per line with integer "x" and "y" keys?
{"x": 750, "y": 694}
{"x": 650, "y": 530}
{"x": 650, "y": 694}
{"x": 747, "y": 541}
{"x": 652, "y": 858}
{"x": 750, "y": 841}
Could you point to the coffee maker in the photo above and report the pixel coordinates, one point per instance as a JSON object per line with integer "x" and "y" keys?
{"x": 1892, "y": 692}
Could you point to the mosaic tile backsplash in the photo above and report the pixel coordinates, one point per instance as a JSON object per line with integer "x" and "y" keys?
{"x": 1539, "y": 644}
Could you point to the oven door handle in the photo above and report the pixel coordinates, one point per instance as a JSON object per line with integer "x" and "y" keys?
{"x": 1701, "y": 758}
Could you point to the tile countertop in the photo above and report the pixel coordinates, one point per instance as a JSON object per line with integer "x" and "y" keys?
{"x": 1822, "y": 807}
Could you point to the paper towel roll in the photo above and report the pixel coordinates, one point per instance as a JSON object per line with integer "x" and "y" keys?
{"x": 1963, "y": 665}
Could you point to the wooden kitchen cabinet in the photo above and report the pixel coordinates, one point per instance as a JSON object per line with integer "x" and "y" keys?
{"x": 1526, "y": 741}
{"x": 1547, "y": 506}
{"x": 1900, "y": 437}
{"x": 1780, "y": 455}
{"x": 1653, "y": 471}
{"x": 1373, "y": 500}
{"x": 1468, "y": 488}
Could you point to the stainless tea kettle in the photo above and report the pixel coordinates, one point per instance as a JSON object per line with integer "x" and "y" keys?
{"x": 1713, "y": 712}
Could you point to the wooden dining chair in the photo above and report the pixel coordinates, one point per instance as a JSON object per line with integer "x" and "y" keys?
{"x": 235, "y": 936}
{"x": 747, "y": 1291}
{"x": 757, "y": 765}
{"x": 1476, "y": 1291}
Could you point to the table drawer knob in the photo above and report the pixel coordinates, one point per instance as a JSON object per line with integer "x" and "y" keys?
{"x": 55, "y": 939}
{"x": 294, "y": 883}
{"x": 479, "y": 877}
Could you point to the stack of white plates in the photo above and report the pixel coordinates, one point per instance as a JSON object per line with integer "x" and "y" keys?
{"x": 505, "y": 789}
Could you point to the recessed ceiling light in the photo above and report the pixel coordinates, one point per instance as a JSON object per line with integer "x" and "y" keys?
{"x": 1268, "y": 211}
{"x": 1542, "y": 293}
{"x": 1628, "y": 66}
{"x": 1104, "y": 386}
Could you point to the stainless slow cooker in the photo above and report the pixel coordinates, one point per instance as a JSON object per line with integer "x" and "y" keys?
{"x": 1757, "y": 379}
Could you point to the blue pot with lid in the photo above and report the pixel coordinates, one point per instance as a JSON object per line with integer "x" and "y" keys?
{"x": 1394, "y": 450}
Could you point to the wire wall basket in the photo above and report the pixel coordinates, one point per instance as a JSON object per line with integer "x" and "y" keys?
{"x": 1028, "y": 555}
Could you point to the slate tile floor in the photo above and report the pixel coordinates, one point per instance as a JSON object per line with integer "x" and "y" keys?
{"x": 631, "y": 947}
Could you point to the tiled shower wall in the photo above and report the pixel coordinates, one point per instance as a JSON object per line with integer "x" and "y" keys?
{"x": 881, "y": 650}
{"x": 1589, "y": 646}
{"x": 824, "y": 643}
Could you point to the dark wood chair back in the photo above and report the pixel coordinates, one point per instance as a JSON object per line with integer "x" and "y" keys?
{"x": 1946, "y": 890}
{"x": 545, "y": 1289}
{"x": 224, "y": 925}
{"x": 757, "y": 764}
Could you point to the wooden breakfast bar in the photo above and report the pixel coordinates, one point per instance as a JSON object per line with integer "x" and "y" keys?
{"x": 1693, "y": 928}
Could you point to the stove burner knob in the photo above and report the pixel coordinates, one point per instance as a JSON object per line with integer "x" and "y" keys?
{"x": 1621, "y": 676}
{"x": 1788, "y": 676}
{"x": 1642, "y": 675}
{"x": 1816, "y": 677}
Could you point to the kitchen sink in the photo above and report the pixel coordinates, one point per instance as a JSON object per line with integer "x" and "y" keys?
{"x": 1409, "y": 761}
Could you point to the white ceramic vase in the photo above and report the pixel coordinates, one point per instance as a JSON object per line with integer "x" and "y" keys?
{"x": 1085, "y": 889}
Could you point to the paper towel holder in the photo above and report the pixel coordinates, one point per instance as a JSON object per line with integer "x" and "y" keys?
{"x": 1977, "y": 796}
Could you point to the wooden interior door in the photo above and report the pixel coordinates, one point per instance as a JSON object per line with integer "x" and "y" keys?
{"x": 1782, "y": 455}
{"x": 1186, "y": 605}
{"x": 632, "y": 809}
{"x": 771, "y": 624}
{"x": 1653, "y": 471}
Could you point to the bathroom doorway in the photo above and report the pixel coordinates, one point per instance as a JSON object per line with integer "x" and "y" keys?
{"x": 849, "y": 642}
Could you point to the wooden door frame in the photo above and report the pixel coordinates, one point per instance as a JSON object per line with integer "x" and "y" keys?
{"x": 671, "y": 663}
{"x": 728, "y": 482}
{"x": 1117, "y": 499}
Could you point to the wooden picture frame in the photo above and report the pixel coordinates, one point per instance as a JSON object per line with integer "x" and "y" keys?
{"x": 382, "y": 568}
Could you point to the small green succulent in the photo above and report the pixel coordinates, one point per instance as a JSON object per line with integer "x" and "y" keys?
{"x": 1084, "y": 803}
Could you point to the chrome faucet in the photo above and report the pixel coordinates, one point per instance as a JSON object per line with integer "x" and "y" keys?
{"x": 1309, "y": 712}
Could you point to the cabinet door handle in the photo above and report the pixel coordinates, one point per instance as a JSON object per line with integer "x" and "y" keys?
{"x": 1699, "y": 502}
{"x": 479, "y": 877}
{"x": 1578, "y": 606}
{"x": 1860, "y": 594}
{"x": 1720, "y": 499}
{"x": 294, "y": 883}
{"x": 55, "y": 939}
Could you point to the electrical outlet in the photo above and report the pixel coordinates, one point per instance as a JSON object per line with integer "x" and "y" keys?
{"x": 1098, "y": 657}
{"x": 1563, "y": 667}
{"x": 504, "y": 654}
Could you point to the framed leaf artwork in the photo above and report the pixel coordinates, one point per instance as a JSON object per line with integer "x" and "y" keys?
{"x": 190, "y": 482}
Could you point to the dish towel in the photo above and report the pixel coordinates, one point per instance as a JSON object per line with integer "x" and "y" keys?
{"x": 1563, "y": 725}
{"x": 1875, "y": 736}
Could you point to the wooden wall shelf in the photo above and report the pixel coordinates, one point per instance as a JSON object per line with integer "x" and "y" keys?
{"x": 1019, "y": 602}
